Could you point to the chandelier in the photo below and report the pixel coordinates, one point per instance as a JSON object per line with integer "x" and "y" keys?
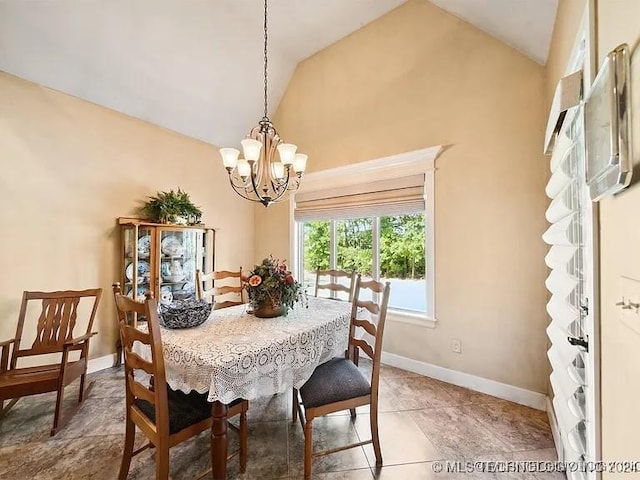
{"x": 260, "y": 176}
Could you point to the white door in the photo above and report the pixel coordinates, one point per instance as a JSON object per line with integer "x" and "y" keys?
{"x": 573, "y": 332}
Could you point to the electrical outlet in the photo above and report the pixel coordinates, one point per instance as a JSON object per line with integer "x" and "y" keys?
{"x": 456, "y": 345}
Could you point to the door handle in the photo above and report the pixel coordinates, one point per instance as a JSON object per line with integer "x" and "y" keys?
{"x": 579, "y": 342}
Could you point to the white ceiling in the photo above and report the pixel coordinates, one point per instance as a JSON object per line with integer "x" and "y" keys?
{"x": 195, "y": 66}
{"x": 526, "y": 25}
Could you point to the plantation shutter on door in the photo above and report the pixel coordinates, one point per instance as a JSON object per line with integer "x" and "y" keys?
{"x": 566, "y": 284}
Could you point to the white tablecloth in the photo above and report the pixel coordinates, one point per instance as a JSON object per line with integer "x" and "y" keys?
{"x": 237, "y": 355}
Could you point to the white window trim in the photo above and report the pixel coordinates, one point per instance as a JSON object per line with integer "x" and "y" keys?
{"x": 404, "y": 164}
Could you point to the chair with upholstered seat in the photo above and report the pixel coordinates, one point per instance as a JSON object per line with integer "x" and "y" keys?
{"x": 54, "y": 335}
{"x": 338, "y": 384}
{"x": 218, "y": 290}
{"x": 335, "y": 282}
{"x": 167, "y": 417}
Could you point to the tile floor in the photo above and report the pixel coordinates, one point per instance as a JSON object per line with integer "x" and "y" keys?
{"x": 422, "y": 421}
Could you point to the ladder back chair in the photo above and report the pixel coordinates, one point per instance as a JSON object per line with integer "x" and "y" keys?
{"x": 334, "y": 286}
{"x": 166, "y": 417}
{"x": 219, "y": 290}
{"x": 124, "y": 318}
{"x": 54, "y": 335}
{"x": 338, "y": 384}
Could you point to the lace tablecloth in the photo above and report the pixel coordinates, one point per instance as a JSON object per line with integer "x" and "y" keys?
{"x": 237, "y": 355}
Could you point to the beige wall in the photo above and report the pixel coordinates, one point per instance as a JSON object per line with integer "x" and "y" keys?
{"x": 69, "y": 168}
{"x": 568, "y": 20}
{"x": 419, "y": 77}
{"x": 619, "y": 239}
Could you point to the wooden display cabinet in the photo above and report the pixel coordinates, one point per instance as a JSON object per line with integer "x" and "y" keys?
{"x": 163, "y": 258}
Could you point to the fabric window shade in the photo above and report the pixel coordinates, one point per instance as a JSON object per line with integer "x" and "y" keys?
{"x": 397, "y": 196}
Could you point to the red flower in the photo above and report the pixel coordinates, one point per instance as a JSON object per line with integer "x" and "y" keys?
{"x": 255, "y": 280}
{"x": 289, "y": 279}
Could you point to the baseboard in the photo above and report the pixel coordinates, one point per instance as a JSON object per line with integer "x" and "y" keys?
{"x": 479, "y": 384}
{"x": 555, "y": 431}
{"x": 101, "y": 363}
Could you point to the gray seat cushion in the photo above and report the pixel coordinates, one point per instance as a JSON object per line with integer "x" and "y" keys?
{"x": 337, "y": 380}
{"x": 185, "y": 409}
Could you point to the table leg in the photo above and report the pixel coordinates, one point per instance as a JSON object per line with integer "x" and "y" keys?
{"x": 219, "y": 440}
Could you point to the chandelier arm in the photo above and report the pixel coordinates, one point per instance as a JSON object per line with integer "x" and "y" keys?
{"x": 254, "y": 186}
{"x": 282, "y": 190}
{"x": 235, "y": 180}
{"x": 236, "y": 188}
{"x": 293, "y": 186}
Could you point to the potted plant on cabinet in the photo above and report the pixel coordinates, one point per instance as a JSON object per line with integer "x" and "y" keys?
{"x": 172, "y": 207}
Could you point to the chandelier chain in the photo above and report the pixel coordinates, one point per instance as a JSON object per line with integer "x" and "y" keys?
{"x": 265, "y": 59}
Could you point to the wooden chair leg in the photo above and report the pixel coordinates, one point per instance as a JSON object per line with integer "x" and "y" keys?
{"x": 353, "y": 413}
{"x": 118, "y": 353}
{"x": 162, "y": 460}
{"x": 5, "y": 410}
{"x": 294, "y": 413}
{"x": 243, "y": 441}
{"x": 373, "y": 417}
{"x": 58, "y": 420}
{"x": 308, "y": 449}
{"x": 129, "y": 439}
{"x": 82, "y": 379}
{"x": 58, "y": 413}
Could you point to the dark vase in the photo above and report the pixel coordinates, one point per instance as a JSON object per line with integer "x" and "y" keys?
{"x": 269, "y": 311}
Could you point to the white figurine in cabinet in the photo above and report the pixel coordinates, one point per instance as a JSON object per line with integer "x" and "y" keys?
{"x": 176, "y": 272}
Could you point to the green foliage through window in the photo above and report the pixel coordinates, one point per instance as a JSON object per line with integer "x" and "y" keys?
{"x": 402, "y": 246}
{"x": 355, "y": 245}
{"x": 317, "y": 246}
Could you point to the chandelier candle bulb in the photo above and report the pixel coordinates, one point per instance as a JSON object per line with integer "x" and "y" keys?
{"x": 259, "y": 176}
{"x": 251, "y": 149}
{"x": 229, "y": 157}
{"x": 244, "y": 169}
{"x": 300, "y": 163}
{"x": 278, "y": 170}
{"x": 287, "y": 153}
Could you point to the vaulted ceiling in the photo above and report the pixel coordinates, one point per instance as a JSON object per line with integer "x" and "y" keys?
{"x": 195, "y": 66}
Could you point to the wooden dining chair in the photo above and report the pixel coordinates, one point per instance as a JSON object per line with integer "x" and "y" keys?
{"x": 338, "y": 384}
{"x": 333, "y": 284}
{"x": 218, "y": 290}
{"x": 54, "y": 334}
{"x": 166, "y": 416}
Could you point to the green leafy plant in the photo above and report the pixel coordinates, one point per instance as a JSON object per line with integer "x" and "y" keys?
{"x": 271, "y": 283}
{"x": 171, "y": 207}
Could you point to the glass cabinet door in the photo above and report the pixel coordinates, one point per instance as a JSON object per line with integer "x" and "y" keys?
{"x": 180, "y": 256}
{"x": 137, "y": 265}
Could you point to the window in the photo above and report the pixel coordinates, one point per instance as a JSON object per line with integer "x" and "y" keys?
{"x": 377, "y": 218}
{"x": 390, "y": 248}
{"x": 315, "y": 251}
{"x": 402, "y": 260}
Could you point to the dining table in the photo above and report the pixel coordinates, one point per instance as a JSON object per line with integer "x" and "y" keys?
{"x": 235, "y": 354}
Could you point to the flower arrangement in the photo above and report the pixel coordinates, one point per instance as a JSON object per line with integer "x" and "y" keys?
{"x": 271, "y": 285}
